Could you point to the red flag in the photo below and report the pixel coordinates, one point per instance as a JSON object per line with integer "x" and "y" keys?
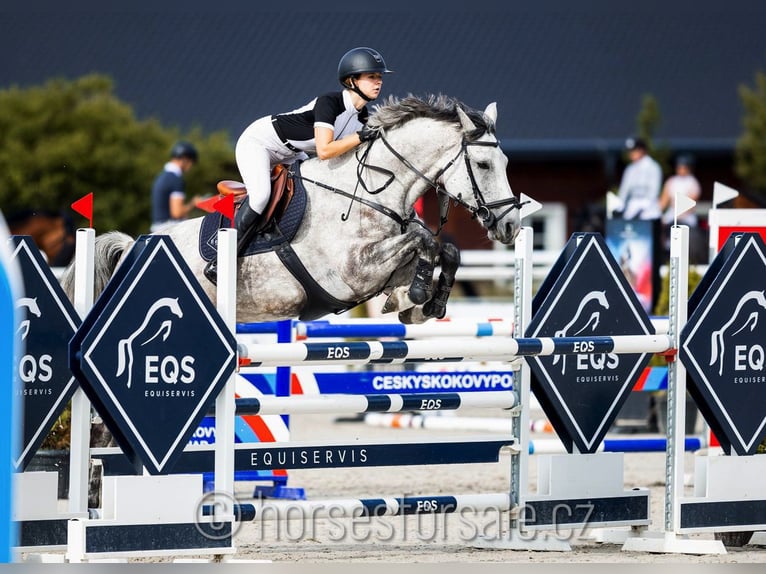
{"x": 208, "y": 204}
{"x": 84, "y": 206}
{"x": 225, "y": 206}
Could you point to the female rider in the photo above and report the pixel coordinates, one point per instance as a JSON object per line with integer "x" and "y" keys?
{"x": 327, "y": 127}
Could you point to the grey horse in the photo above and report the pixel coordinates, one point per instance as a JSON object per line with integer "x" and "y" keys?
{"x": 359, "y": 236}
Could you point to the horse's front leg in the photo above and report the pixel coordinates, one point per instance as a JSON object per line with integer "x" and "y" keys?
{"x": 407, "y": 261}
{"x": 449, "y": 261}
{"x": 436, "y": 307}
{"x": 420, "y": 288}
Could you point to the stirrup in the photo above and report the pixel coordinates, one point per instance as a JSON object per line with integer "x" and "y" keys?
{"x": 211, "y": 271}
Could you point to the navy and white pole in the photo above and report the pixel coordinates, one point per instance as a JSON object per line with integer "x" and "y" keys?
{"x": 377, "y": 403}
{"x": 270, "y": 510}
{"x": 454, "y": 350}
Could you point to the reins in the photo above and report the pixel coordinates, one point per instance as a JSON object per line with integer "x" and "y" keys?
{"x": 482, "y": 209}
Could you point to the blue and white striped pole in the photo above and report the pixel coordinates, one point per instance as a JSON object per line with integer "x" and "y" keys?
{"x": 348, "y": 404}
{"x": 360, "y": 507}
{"x": 456, "y": 350}
{"x": 451, "y": 328}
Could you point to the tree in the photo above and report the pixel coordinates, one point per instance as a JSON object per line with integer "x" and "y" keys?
{"x": 750, "y": 152}
{"x": 647, "y": 121}
{"x": 65, "y": 139}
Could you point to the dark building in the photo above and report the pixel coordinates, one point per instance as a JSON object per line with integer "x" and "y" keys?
{"x": 568, "y": 77}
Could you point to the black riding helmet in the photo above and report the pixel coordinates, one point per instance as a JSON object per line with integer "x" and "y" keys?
{"x": 359, "y": 61}
{"x": 184, "y": 149}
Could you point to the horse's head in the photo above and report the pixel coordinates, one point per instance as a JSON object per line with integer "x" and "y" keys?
{"x": 478, "y": 179}
{"x": 465, "y": 161}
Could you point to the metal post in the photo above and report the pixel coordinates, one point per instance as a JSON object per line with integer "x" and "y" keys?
{"x": 674, "y": 461}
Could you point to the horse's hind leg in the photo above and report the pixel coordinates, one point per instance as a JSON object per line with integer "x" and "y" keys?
{"x": 450, "y": 261}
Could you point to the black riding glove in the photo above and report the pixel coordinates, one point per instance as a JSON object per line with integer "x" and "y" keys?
{"x": 366, "y": 134}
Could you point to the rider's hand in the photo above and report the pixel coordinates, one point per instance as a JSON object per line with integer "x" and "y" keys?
{"x": 366, "y": 134}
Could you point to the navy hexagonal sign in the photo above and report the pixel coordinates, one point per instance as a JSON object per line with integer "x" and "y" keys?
{"x": 723, "y": 344}
{"x": 48, "y": 322}
{"x": 153, "y": 354}
{"x": 586, "y": 294}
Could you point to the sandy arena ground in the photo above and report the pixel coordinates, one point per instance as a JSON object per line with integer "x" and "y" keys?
{"x": 434, "y": 538}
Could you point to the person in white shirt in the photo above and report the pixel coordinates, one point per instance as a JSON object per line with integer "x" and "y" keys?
{"x": 682, "y": 182}
{"x": 640, "y": 184}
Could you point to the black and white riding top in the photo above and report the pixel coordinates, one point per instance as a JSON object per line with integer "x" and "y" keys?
{"x": 333, "y": 110}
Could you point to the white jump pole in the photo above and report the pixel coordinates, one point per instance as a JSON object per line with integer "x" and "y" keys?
{"x": 79, "y": 455}
{"x": 264, "y": 511}
{"x": 454, "y": 350}
{"x": 390, "y": 403}
{"x": 226, "y": 301}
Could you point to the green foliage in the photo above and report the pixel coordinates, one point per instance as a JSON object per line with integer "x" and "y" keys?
{"x": 59, "y": 435}
{"x": 647, "y": 121}
{"x": 649, "y": 117}
{"x": 750, "y": 153}
{"x": 65, "y": 139}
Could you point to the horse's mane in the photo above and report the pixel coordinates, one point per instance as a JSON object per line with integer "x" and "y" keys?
{"x": 393, "y": 112}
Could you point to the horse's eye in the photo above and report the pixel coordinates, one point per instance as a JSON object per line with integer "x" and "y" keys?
{"x": 483, "y": 165}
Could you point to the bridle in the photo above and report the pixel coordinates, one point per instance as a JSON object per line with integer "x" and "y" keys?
{"x": 483, "y": 209}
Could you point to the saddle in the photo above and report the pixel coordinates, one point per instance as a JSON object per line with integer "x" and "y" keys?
{"x": 280, "y": 220}
{"x": 282, "y": 189}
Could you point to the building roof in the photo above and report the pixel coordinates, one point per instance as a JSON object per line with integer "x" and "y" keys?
{"x": 567, "y": 76}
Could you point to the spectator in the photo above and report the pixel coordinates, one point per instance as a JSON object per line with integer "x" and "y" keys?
{"x": 168, "y": 191}
{"x": 641, "y": 182}
{"x": 684, "y": 182}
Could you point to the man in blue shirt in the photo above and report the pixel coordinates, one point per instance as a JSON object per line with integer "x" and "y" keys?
{"x": 168, "y": 192}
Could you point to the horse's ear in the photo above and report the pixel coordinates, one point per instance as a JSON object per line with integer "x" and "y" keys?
{"x": 491, "y": 112}
{"x": 465, "y": 120}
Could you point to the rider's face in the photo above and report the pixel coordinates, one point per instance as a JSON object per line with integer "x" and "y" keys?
{"x": 370, "y": 84}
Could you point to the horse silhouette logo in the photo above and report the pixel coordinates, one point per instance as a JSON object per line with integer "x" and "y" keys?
{"x": 33, "y": 308}
{"x": 740, "y": 321}
{"x": 584, "y": 322}
{"x": 145, "y": 334}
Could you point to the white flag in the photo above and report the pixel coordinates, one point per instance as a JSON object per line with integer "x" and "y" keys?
{"x": 683, "y": 204}
{"x": 530, "y": 206}
{"x": 722, "y": 193}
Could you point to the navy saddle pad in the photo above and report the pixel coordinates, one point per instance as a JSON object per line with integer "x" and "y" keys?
{"x": 275, "y": 233}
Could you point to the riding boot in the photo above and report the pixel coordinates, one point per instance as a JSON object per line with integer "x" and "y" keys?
{"x": 247, "y": 223}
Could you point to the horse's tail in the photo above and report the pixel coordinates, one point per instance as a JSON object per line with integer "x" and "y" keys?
{"x": 109, "y": 249}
